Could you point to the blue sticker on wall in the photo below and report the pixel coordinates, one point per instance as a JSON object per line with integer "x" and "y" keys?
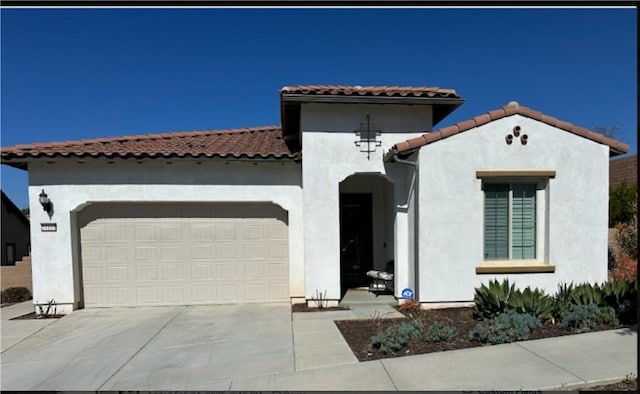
{"x": 407, "y": 294}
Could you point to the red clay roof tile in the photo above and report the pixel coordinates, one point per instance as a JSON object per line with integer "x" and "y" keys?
{"x": 249, "y": 143}
{"x": 512, "y": 108}
{"x": 390, "y": 91}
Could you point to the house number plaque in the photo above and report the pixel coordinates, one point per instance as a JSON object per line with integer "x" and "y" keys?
{"x": 48, "y": 227}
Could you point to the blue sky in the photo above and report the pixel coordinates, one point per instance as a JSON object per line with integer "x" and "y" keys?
{"x": 70, "y": 74}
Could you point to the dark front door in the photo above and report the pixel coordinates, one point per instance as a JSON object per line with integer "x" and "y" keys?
{"x": 356, "y": 239}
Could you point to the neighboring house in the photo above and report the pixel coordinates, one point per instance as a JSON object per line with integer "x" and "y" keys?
{"x": 623, "y": 170}
{"x": 16, "y": 264}
{"x": 15, "y": 232}
{"x": 353, "y": 179}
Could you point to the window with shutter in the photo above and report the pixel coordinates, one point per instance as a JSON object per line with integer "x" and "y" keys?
{"x": 509, "y": 221}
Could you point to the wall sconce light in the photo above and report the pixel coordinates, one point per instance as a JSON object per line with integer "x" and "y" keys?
{"x": 47, "y": 205}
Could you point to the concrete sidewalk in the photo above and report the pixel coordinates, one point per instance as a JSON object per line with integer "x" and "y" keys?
{"x": 561, "y": 362}
{"x": 269, "y": 348}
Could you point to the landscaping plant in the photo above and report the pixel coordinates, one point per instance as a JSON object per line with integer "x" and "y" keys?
{"x": 15, "y": 294}
{"x": 506, "y": 327}
{"x": 622, "y": 296}
{"x": 397, "y": 336}
{"x": 440, "y": 332}
{"x": 587, "y": 317}
{"x": 410, "y": 306}
{"x": 492, "y": 300}
{"x": 533, "y": 302}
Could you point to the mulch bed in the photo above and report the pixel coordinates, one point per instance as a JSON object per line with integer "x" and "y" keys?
{"x": 358, "y": 333}
{"x": 35, "y": 316}
{"x": 625, "y": 385}
{"x": 305, "y": 308}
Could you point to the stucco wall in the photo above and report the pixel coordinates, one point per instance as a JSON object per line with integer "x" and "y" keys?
{"x": 71, "y": 185}
{"x": 330, "y": 156}
{"x": 574, "y": 207}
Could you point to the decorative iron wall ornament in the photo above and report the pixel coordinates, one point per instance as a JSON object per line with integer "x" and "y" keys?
{"x": 368, "y": 133}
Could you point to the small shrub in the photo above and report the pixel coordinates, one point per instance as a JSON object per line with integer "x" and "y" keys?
{"x": 533, "y": 302}
{"x": 627, "y": 231}
{"x": 440, "y": 332}
{"x": 15, "y": 294}
{"x": 410, "y": 306}
{"x": 493, "y": 299}
{"x": 397, "y": 336}
{"x": 586, "y": 317}
{"x": 506, "y": 327}
{"x": 621, "y": 199}
{"x": 626, "y": 268}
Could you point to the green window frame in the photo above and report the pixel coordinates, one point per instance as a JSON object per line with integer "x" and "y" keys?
{"x": 509, "y": 221}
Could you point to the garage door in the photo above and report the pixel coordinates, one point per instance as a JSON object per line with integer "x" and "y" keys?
{"x": 172, "y": 254}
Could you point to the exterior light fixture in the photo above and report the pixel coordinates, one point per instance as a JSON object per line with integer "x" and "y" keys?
{"x": 46, "y": 203}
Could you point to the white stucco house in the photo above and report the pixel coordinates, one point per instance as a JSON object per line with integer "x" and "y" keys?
{"x": 355, "y": 178}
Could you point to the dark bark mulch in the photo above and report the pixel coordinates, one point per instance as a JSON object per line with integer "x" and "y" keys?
{"x": 305, "y": 308}
{"x": 625, "y": 385}
{"x": 34, "y": 316}
{"x": 358, "y": 333}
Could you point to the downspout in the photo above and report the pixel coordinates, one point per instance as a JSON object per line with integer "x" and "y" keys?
{"x": 394, "y": 158}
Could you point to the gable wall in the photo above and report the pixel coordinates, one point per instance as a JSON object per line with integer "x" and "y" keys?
{"x": 452, "y": 203}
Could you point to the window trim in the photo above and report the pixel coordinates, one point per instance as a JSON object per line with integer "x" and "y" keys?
{"x": 541, "y": 178}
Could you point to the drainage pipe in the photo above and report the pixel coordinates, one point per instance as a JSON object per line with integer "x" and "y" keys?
{"x": 416, "y": 222}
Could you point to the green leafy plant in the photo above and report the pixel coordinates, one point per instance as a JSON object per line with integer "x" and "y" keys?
{"x": 504, "y": 328}
{"x": 586, "y": 317}
{"x": 562, "y": 300}
{"x": 440, "y": 332}
{"x": 586, "y": 293}
{"x": 622, "y": 296}
{"x": 396, "y": 337}
{"x": 492, "y": 300}
{"x": 621, "y": 198}
{"x": 534, "y": 302}
{"x": 15, "y": 294}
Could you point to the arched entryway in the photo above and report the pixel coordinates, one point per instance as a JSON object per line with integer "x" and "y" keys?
{"x": 366, "y": 228}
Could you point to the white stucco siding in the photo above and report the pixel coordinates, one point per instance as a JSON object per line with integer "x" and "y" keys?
{"x": 330, "y": 156}
{"x": 70, "y": 186}
{"x": 574, "y": 207}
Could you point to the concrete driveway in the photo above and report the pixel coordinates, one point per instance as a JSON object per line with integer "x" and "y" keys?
{"x": 158, "y": 348}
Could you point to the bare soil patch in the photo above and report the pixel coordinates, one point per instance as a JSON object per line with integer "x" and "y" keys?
{"x": 305, "y": 308}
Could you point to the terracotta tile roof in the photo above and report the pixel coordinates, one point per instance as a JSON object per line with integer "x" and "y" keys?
{"x": 512, "y": 108}
{"x": 389, "y": 91}
{"x": 249, "y": 143}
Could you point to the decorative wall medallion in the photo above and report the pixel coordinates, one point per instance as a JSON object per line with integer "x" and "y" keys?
{"x": 516, "y": 133}
{"x": 368, "y": 133}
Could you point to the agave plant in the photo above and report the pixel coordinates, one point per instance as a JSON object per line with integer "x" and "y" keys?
{"x": 493, "y": 299}
{"x": 533, "y": 302}
{"x": 562, "y": 300}
{"x": 586, "y": 293}
{"x": 622, "y": 296}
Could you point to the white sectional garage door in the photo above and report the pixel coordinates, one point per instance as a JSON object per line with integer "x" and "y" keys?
{"x": 173, "y": 254}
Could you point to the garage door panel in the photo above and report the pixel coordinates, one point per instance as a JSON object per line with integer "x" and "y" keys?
{"x": 239, "y": 254}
